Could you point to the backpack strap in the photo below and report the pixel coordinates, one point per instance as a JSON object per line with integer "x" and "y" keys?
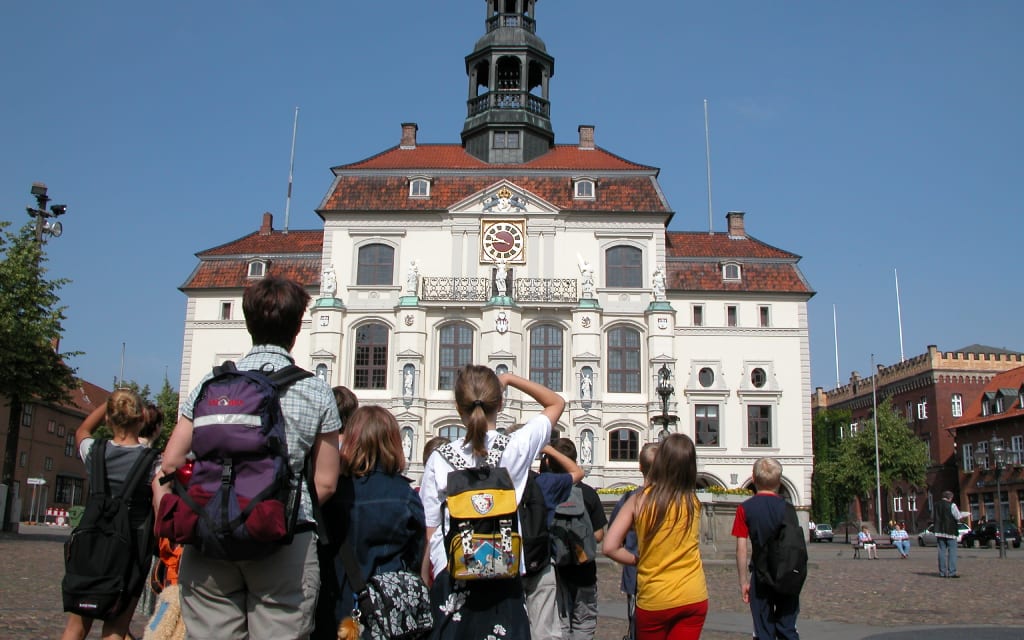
{"x": 288, "y": 375}
{"x": 451, "y": 456}
{"x": 98, "y": 468}
{"x": 497, "y": 449}
{"x": 139, "y": 471}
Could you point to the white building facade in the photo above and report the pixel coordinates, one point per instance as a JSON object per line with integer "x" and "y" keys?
{"x": 550, "y": 261}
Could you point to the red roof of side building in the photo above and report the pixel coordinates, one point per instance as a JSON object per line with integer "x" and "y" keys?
{"x": 233, "y": 273}
{"x": 1011, "y": 380}
{"x": 453, "y": 156}
{"x": 686, "y": 244}
{"x": 275, "y": 242}
{"x": 695, "y": 264}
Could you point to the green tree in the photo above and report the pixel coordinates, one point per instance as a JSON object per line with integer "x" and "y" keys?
{"x": 167, "y": 400}
{"x": 902, "y": 457}
{"x": 31, "y": 325}
{"x": 828, "y": 503}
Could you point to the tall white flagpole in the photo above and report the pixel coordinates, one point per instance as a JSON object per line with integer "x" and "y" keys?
{"x": 899, "y": 316}
{"x": 835, "y": 332}
{"x": 291, "y": 171}
{"x": 707, "y": 147}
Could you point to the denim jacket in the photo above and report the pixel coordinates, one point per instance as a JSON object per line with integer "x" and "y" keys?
{"x": 383, "y": 519}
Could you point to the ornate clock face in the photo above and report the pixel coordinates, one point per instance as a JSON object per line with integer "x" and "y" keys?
{"x": 503, "y": 240}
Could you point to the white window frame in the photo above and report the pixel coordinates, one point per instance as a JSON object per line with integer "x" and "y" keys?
{"x": 956, "y": 405}
{"x": 732, "y": 271}
{"x": 967, "y": 459}
{"x": 922, "y": 409}
{"x": 695, "y": 310}
{"x": 764, "y": 316}
{"x": 257, "y": 268}
{"x": 584, "y": 188}
{"x": 226, "y": 307}
{"x": 897, "y": 503}
{"x": 911, "y": 502}
{"x": 733, "y": 309}
{"x": 419, "y": 183}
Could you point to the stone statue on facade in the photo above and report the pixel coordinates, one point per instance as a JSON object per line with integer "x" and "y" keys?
{"x": 586, "y": 277}
{"x": 658, "y": 283}
{"x": 328, "y": 282}
{"x": 501, "y": 278}
{"x": 412, "y": 278}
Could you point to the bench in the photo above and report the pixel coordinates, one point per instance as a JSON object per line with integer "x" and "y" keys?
{"x": 881, "y": 542}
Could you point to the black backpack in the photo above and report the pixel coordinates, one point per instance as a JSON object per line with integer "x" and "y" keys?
{"x": 101, "y": 559}
{"x": 533, "y": 524}
{"x": 780, "y": 563}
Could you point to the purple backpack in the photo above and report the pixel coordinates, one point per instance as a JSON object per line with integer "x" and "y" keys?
{"x": 242, "y": 500}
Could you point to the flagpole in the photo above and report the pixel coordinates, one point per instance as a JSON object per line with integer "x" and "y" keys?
{"x": 899, "y": 312}
{"x": 707, "y": 147}
{"x": 291, "y": 171}
{"x": 835, "y": 333}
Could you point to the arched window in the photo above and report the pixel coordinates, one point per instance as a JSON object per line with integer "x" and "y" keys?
{"x": 376, "y": 265}
{"x": 624, "y": 360}
{"x": 623, "y": 267}
{"x": 623, "y": 445}
{"x": 371, "y": 357}
{"x": 454, "y": 432}
{"x": 456, "y": 350}
{"x": 546, "y": 356}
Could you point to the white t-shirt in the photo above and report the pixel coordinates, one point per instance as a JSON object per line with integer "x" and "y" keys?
{"x": 522, "y": 449}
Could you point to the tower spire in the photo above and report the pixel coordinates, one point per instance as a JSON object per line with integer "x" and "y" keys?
{"x": 508, "y": 115}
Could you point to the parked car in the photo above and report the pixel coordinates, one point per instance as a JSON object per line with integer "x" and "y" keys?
{"x": 926, "y": 538}
{"x": 987, "y": 533}
{"x": 822, "y": 533}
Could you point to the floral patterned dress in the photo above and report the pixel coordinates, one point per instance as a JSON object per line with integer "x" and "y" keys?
{"x": 479, "y": 610}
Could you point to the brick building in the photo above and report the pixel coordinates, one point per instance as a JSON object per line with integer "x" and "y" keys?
{"x": 993, "y": 418}
{"x": 930, "y": 391}
{"x": 46, "y": 450}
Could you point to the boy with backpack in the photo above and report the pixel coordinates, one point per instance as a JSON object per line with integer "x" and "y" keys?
{"x": 772, "y": 580}
{"x": 253, "y": 573}
{"x": 577, "y": 528}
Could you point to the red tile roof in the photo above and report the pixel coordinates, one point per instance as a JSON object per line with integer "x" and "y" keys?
{"x": 234, "y": 273}
{"x": 720, "y": 245}
{"x": 615, "y": 194}
{"x": 1012, "y": 379}
{"x": 756, "y": 277}
{"x": 274, "y": 243}
{"x": 454, "y": 156}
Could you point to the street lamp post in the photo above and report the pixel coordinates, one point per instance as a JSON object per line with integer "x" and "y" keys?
{"x": 665, "y": 390}
{"x": 999, "y": 463}
{"x": 42, "y": 216}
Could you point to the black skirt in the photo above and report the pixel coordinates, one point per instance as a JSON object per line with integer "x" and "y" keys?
{"x": 479, "y": 609}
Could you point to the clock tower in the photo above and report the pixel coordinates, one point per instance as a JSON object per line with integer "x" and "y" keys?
{"x": 508, "y": 117}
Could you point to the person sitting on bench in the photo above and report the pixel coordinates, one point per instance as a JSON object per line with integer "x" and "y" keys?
{"x": 867, "y": 542}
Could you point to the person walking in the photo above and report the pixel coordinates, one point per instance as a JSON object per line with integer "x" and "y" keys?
{"x": 272, "y": 597}
{"x": 757, "y": 520}
{"x": 672, "y": 593}
{"x": 480, "y": 609}
{"x": 628, "y": 582}
{"x": 946, "y": 531}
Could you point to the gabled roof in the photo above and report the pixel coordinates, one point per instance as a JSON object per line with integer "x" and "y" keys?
{"x": 620, "y": 194}
{"x": 233, "y": 273}
{"x": 453, "y": 156}
{"x": 1009, "y": 381}
{"x": 274, "y": 243}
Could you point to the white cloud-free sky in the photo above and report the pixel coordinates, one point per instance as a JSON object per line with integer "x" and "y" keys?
{"x": 867, "y": 137}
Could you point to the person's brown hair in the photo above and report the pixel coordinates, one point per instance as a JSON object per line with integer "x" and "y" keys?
{"x": 564, "y": 446}
{"x": 124, "y": 411}
{"x": 432, "y": 444}
{"x": 372, "y": 441}
{"x": 347, "y": 403}
{"x": 153, "y": 420}
{"x": 647, "y": 453}
{"x": 671, "y": 481}
{"x": 273, "y": 309}
{"x": 478, "y": 399}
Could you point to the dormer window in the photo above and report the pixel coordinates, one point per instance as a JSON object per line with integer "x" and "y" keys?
{"x": 731, "y": 271}
{"x": 583, "y": 189}
{"x": 506, "y": 139}
{"x": 257, "y": 269}
{"x": 419, "y": 188}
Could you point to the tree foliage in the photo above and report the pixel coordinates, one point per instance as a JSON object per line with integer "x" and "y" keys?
{"x": 829, "y": 504}
{"x": 166, "y": 401}
{"x": 902, "y": 457}
{"x": 31, "y": 321}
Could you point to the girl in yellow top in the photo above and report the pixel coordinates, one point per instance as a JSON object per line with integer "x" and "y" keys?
{"x": 672, "y": 595}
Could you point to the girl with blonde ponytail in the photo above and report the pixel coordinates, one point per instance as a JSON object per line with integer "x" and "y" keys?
{"x": 482, "y": 608}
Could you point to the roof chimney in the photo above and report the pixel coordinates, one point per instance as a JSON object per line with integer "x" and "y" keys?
{"x": 409, "y": 135}
{"x": 268, "y": 224}
{"x": 586, "y": 136}
{"x": 736, "y": 228}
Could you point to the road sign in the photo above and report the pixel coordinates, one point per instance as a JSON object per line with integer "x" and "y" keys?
{"x": 35, "y": 481}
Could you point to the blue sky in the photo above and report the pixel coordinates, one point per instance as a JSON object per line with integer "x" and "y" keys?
{"x": 866, "y": 137}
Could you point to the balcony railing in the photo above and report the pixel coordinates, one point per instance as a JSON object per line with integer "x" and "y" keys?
{"x": 546, "y": 290}
{"x": 481, "y": 289}
{"x": 508, "y": 100}
{"x": 511, "y": 20}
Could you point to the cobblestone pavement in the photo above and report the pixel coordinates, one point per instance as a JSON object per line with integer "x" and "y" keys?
{"x": 882, "y": 594}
